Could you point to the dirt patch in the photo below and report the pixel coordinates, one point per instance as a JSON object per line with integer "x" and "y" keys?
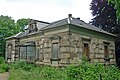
{"x": 4, "y": 76}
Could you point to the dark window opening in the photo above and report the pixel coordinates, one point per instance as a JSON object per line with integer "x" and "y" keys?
{"x": 106, "y": 51}
{"x": 86, "y": 50}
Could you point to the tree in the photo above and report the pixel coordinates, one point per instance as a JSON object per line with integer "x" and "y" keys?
{"x": 117, "y": 30}
{"x": 104, "y": 15}
{"x": 117, "y": 7}
{"x": 105, "y": 18}
{"x": 21, "y": 23}
{"x": 7, "y": 28}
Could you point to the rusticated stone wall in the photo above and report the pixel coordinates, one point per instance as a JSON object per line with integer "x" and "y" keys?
{"x": 71, "y": 47}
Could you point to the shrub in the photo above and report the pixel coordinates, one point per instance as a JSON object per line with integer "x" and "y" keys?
{"x": 3, "y": 66}
{"x": 2, "y": 60}
{"x": 88, "y": 71}
{"x": 81, "y": 71}
{"x": 52, "y": 73}
{"x": 22, "y": 64}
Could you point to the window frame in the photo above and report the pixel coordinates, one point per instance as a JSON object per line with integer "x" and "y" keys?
{"x": 56, "y": 53}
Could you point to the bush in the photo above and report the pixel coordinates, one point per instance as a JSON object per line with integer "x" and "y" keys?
{"x": 2, "y": 60}
{"x": 23, "y": 65}
{"x": 81, "y": 71}
{"x": 89, "y": 71}
{"x": 51, "y": 73}
{"x": 3, "y": 66}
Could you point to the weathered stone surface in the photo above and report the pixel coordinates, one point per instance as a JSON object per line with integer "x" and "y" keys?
{"x": 99, "y": 55}
{"x": 64, "y": 49}
{"x": 101, "y": 52}
{"x": 96, "y": 60}
{"x": 101, "y": 60}
{"x": 71, "y": 45}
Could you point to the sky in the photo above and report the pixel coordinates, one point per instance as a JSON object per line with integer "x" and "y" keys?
{"x": 46, "y": 10}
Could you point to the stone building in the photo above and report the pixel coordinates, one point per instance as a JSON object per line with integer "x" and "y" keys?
{"x": 61, "y": 43}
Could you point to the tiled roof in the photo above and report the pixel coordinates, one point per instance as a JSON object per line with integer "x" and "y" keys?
{"x": 77, "y": 22}
{"x": 16, "y": 35}
{"x": 69, "y": 20}
{"x": 56, "y": 24}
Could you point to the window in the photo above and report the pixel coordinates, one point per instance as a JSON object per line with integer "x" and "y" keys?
{"x": 106, "y": 51}
{"x": 86, "y": 50}
{"x": 23, "y": 52}
{"x": 30, "y": 53}
{"x": 39, "y": 54}
{"x": 55, "y": 51}
{"x": 9, "y": 51}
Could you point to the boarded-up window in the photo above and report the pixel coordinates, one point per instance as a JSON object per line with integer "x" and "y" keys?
{"x": 106, "y": 51}
{"x": 39, "y": 54}
{"x": 22, "y": 52}
{"x": 9, "y": 51}
{"x": 30, "y": 53}
{"x": 55, "y": 50}
{"x": 86, "y": 50}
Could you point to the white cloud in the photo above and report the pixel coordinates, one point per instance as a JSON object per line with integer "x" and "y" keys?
{"x": 46, "y": 10}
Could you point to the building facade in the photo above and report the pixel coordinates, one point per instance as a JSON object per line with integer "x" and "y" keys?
{"x": 61, "y": 43}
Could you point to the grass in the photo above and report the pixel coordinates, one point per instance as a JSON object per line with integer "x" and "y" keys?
{"x": 82, "y": 71}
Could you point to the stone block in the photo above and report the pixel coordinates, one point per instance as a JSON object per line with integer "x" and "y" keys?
{"x": 100, "y": 41}
{"x": 112, "y": 60}
{"x": 111, "y": 56}
{"x": 101, "y": 60}
{"x": 65, "y": 55}
{"x": 72, "y": 49}
{"x": 64, "y": 49}
{"x": 46, "y": 63}
{"x": 62, "y": 60}
{"x": 96, "y": 50}
{"x": 73, "y": 61}
{"x": 46, "y": 60}
{"x": 91, "y": 56}
{"x": 76, "y": 59}
{"x": 95, "y": 60}
{"x": 55, "y": 63}
{"x": 101, "y": 51}
{"x": 47, "y": 50}
{"x": 46, "y": 55}
{"x": 99, "y": 55}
